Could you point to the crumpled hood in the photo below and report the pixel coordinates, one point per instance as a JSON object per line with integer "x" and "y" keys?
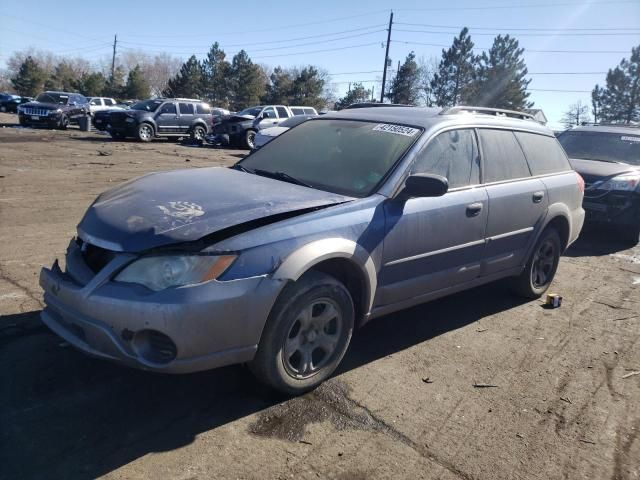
{"x": 593, "y": 170}
{"x": 185, "y": 205}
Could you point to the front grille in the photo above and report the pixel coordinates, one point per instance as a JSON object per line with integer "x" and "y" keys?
{"x": 96, "y": 258}
{"x": 117, "y": 118}
{"x": 41, "y": 112}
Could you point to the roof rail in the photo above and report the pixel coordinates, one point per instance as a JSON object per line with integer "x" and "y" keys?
{"x": 188, "y": 99}
{"x": 498, "y": 112}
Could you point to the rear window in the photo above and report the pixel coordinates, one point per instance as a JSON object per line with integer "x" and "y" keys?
{"x": 604, "y": 146}
{"x": 544, "y": 154}
{"x": 502, "y": 156}
{"x": 203, "y": 108}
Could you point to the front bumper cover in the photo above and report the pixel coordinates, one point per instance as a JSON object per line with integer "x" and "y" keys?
{"x": 211, "y": 324}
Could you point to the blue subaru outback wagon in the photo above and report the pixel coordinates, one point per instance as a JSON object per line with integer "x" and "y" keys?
{"x": 274, "y": 261}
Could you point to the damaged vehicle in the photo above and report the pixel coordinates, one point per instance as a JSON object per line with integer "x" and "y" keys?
{"x": 608, "y": 158}
{"x": 275, "y": 261}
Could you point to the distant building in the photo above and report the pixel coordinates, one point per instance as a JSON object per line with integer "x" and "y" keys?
{"x": 537, "y": 114}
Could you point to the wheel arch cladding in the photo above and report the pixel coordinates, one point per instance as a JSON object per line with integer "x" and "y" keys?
{"x": 558, "y": 217}
{"x": 342, "y": 258}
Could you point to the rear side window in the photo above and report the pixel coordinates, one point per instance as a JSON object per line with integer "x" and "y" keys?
{"x": 109, "y": 101}
{"x": 203, "y": 108}
{"x": 297, "y": 111}
{"x": 543, "y": 153}
{"x": 452, "y": 154}
{"x": 186, "y": 109}
{"x": 502, "y": 156}
{"x": 282, "y": 112}
{"x": 309, "y": 111}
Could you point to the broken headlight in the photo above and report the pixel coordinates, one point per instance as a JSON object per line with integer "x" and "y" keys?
{"x": 164, "y": 271}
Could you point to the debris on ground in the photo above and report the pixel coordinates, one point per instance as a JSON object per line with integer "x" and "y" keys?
{"x": 566, "y": 399}
{"x": 484, "y": 385}
{"x": 427, "y": 380}
{"x": 631, "y": 374}
{"x": 104, "y": 153}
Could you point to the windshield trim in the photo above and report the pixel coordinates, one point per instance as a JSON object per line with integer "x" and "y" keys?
{"x": 385, "y": 177}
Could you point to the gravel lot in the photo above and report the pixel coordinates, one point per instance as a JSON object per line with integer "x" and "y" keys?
{"x": 403, "y": 405}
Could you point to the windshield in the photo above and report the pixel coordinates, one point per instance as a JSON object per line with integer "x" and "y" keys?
{"x": 253, "y": 111}
{"x": 147, "y": 105}
{"x": 341, "y": 156}
{"x": 49, "y": 97}
{"x": 603, "y": 146}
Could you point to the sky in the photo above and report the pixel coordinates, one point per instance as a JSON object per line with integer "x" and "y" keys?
{"x": 569, "y": 44}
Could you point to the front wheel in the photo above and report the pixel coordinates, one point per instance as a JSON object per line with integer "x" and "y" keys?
{"x": 197, "y": 133}
{"x": 3, "y": 108}
{"x": 306, "y": 335}
{"x": 541, "y": 267}
{"x": 249, "y": 139}
{"x": 145, "y": 132}
{"x": 630, "y": 234}
{"x": 63, "y": 123}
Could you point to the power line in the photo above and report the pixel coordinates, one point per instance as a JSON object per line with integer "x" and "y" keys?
{"x": 621, "y": 34}
{"x": 560, "y": 91}
{"x": 516, "y": 28}
{"x": 526, "y": 49}
{"x": 501, "y": 7}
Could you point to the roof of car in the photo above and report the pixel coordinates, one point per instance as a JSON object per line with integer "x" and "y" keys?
{"x": 628, "y": 129}
{"x": 427, "y": 117}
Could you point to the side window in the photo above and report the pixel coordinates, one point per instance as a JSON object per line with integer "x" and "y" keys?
{"x": 168, "y": 108}
{"x": 95, "y": 101}
{"x": 452, "y": 154}
{"x": 544, "y": 154}
{"x": 297, "y": 111}
{"x": 109, "y": 102}
{"x": 502, "y": 156}
{"x": 269, "y": 112}
{"x": 282, "y": 112}
{"x": 203, "y": 109}
{"x": 186, "y": 109}
{"x": 309, "y": 111}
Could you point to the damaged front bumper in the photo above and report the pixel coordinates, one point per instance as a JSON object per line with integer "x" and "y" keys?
{"x": 620, "y": 209}
{"x": 177, "y": 330}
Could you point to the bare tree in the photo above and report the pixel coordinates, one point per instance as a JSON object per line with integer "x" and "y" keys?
{"x": 427, "y": 67}
{"x": 577, "y": 114}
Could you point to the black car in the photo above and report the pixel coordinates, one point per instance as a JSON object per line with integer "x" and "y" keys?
{"x": 54, "y": 109}
{"x": 608, "y": 158}
{"x": 9, "y": 103}
{"x": 160, "y": 117}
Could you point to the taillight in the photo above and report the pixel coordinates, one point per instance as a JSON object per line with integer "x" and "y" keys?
{"x": 580, "y": 182}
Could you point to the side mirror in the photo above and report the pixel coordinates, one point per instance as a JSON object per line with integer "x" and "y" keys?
{"x": 425, "y": 185}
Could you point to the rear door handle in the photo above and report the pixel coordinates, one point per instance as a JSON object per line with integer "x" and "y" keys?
{"x": 537, "y": 197}
{"x": 474, "y": 209}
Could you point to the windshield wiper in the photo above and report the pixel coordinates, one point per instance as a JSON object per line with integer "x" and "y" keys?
{"x": 237, "y": 166}
{"x": 281, "y": 176}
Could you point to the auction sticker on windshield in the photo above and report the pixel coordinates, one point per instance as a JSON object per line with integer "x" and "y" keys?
{"x": 397, "y": 129}
{"x": 630, "y": 139}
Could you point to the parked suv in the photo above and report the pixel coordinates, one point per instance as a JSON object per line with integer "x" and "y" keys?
{"x": 97, "y": 104}
{"x": 344, "y": 218}
{"x": 9, "y": 103}
{"x": 240, "y": 128}
{"x": 608, "y": 158}
{"x": 160, "y": 117}
{"x": 54, "y": 109}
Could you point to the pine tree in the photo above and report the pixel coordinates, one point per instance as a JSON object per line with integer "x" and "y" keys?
{"x": 114, "y": 87}
{"x": 307, "y": 88}
{"x": 216, "y": 77}
{"x": 30, "y": 78}
{"x": 279, "y": 89}
{"x": 64, "y": 78}
{"x": 91, "y": 84}
{"x": 500, "y": 80}
{"x": 189, "y": 81}
{"x": 621, "y": 98}
{"x": 596, "y": 102}
{"x": 356, "y": 94}
{"x": 405, "y": 86}
{"x": 450, "y": 84}
{"x": 247, "y": 81}
{"x": 137, "y": 86}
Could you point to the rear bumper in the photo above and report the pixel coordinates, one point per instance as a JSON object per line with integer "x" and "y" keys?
{"x": 210, "y": 325}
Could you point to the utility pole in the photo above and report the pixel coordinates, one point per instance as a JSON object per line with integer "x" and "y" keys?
{"x": 386, "y": 57}
{"x": 113, "y": 60}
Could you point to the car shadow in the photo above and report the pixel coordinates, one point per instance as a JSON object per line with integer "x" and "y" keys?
{"x": 65, "y": 415}
{"x": 597, "y": 241}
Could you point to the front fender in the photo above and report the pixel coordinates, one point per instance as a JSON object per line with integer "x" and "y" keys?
{"x": 304, "y": 258}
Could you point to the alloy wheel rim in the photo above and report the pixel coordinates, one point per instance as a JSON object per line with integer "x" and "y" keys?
{"x": 145, "y": 132}
{"x": 198, "y": 133}
{"x": 543, "y": 264}
{"x": 250, "y": 139}
{"x": 313, "y": 338}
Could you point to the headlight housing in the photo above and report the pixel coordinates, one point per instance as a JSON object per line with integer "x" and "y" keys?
{"x": 165, "y": 271}
{"x": 627, "y": 182}
{"x": 59, "y": 110}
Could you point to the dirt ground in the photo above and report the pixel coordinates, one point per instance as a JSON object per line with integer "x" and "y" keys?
{"x": 403, "y": 404}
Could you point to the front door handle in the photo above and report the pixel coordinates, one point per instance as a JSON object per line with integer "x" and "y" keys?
{"x": 474, "y": 209}
{"x": 537, "y": 197}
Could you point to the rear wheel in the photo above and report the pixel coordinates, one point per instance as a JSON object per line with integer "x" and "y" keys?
{"x": 3, "y": 108}
{"x": 249, "y": 139}
{"x": 541, "y": 266}
{"x": 145, "y": 132}
{"x": 306, "y": 335}
{"x": 63, "y": 123}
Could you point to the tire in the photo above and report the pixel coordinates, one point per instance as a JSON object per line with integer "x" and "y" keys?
{"x": 3, "y": 109}
{"x": 197, "y": 133}
{"x": 144, "y": 132}
{"x": 63, "y": 123}
{"x": 297, "y": 352}
{"x": 249, "y": 138}
{"x": 541, "y": 266}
